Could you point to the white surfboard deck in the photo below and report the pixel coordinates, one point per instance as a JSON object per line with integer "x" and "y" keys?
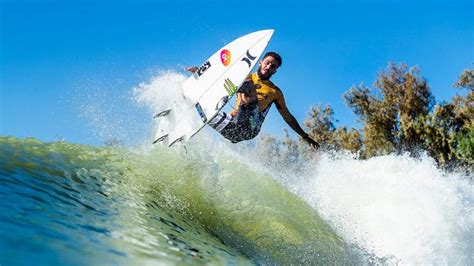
{"x": 208, "y": 90}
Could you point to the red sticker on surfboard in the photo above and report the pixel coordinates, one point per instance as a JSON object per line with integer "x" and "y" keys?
{"x": 225, "y": 57}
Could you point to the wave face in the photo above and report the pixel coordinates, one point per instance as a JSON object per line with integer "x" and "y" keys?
{"x": 73, "y": 204}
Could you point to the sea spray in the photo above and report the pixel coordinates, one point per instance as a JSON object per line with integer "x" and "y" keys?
{"x": 108, "y": 114}
{"x": 164, "y": 93}
{"x": 157, "y": 93}
{"x": 394, "y": 206}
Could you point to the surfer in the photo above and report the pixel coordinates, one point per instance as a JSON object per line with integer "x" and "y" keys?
{"x": 254, "y": 99}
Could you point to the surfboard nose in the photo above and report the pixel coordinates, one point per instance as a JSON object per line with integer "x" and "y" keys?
{"x": 261, "y": 34}
{"x": 268, "y": 32}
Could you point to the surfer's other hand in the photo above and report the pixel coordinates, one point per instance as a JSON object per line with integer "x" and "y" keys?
{"x": 311, "y": 142}
{"x": 191, "y": 69}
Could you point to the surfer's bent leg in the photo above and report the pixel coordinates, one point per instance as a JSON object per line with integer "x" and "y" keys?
{"x": 237, "y": 128}
{"x": 226, "y": 125}
{"x": 220, "y": 121}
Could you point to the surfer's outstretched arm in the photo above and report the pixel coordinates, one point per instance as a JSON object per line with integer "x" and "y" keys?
{"x": 293, "y": 123}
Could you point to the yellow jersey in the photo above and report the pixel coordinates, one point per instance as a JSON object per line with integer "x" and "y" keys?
{"x": 267, "y": 93}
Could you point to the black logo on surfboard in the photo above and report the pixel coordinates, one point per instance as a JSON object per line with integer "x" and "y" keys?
{"x": 248, "y": 58}
{"x": 203, "y": 68}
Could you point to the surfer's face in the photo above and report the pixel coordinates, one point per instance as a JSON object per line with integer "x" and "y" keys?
{"x": 268, "y": 67}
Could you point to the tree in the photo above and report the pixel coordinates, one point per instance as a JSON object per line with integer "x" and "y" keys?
{"x": 450, "y": 128}
{"x": 320, "y": 123}
{"x": 398, "y": 114}
{"x": 394, "y": 111}
{"x": 464, "y": 112}
{"x": 350, "y": 140}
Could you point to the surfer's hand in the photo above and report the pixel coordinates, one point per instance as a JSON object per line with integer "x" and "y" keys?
{"x": 311, "y": 142}
{"x": 247, "y": 93}
{"x": 248, "y": 98}
{"x": 192, "y": 69}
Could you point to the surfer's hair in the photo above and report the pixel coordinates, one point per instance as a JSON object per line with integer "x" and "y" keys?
{"x": 274, "y": 55}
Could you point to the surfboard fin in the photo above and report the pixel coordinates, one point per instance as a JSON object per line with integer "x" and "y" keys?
{"x": 160, "y": 138}
{"x": 176, "y": 141}
{"x": 222, "y": 102}
{"x": 162, "y": 113}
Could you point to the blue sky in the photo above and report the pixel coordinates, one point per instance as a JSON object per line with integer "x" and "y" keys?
{"x": 53, "y": 51}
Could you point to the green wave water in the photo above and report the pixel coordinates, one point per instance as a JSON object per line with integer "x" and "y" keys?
{"x": 72, "y": 204}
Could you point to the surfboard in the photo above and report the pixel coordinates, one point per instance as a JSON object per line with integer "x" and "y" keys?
{"x": 210, "y": 88}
